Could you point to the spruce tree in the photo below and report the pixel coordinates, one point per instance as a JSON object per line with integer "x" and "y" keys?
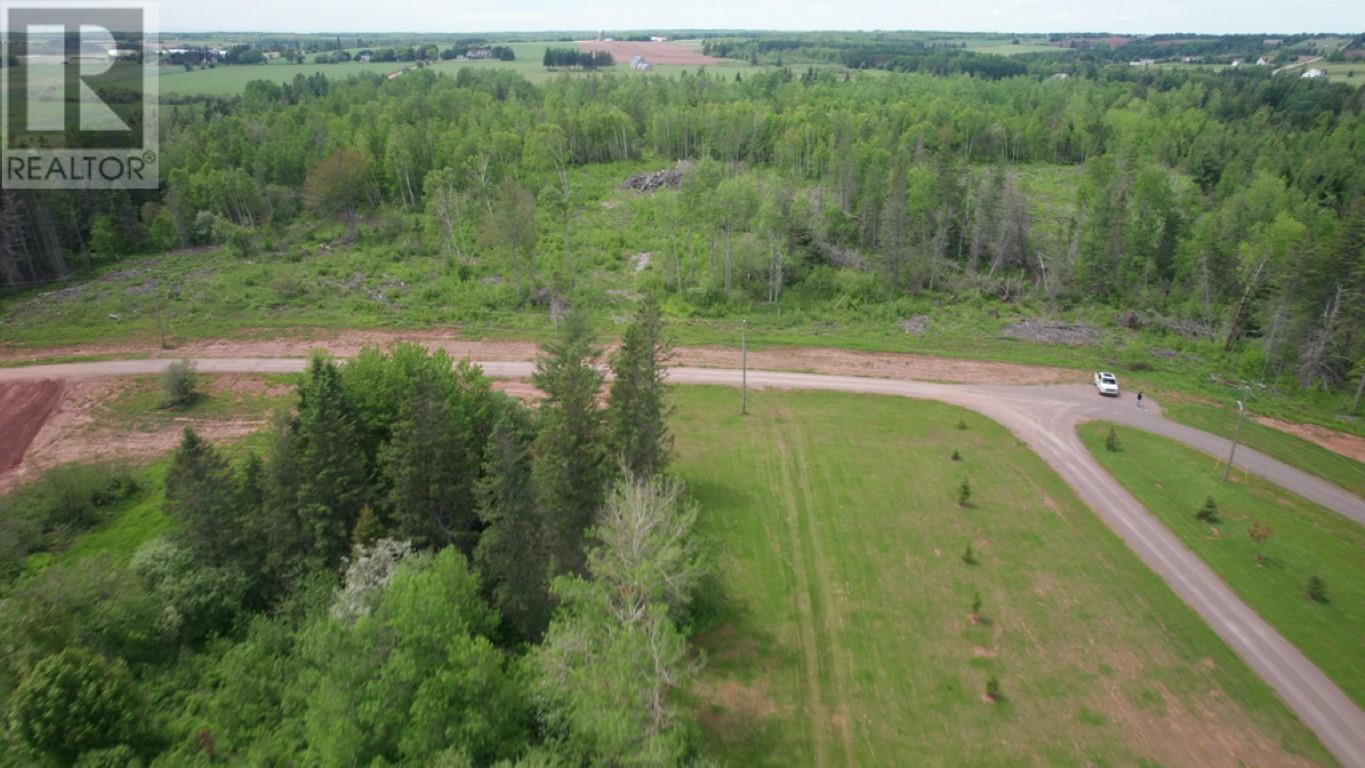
{"x": 511, "y": 553}
{"x": 428, "y": 466}
{"x": 331, "y": 466}
{"x": 637, "y": 414}
{"x": 571, "y": 466}
{"x": 201, "y": 496}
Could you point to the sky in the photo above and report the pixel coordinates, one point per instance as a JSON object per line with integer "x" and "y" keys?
{"x": 1117, "y": 16}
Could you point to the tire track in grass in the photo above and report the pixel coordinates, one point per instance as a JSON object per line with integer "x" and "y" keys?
{"x": 818, "y": 717}
{"x": 824, "y": 583}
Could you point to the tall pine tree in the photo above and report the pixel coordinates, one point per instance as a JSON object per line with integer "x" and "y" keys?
{"x": 331, "y": 467}
{"x": 571, "y": 466}
{"x": 431, "y": 467}
{"x": 201, "y": 496}
{"x": 637, "y": 414}
{"x": 512, "y": 550}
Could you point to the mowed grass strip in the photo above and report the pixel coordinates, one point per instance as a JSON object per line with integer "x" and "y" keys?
{"x": 844, "y": 634}
{"x": 1291, "y": 449}
{"x": 1306, "y": 540}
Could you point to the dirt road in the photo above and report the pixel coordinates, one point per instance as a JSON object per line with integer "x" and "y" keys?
{"x": 1044, "y": 417}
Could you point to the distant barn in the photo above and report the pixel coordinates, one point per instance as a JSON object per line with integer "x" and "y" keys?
{"x": 638, "y": 62}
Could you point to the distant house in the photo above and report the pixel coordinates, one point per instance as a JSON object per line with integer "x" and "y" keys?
{"x": 363, "y": 58}
{"x": 1060, "y": 76}
{"x": 1142, "y": 63}
{"x": 1263, "y": 62}
{"x": 479, "y": 53}
{"x": 1315, "y": 72}
{"x": 1236, "y": 62}
{"x": 638, "y": 62}
{"x": 657, "y": 39}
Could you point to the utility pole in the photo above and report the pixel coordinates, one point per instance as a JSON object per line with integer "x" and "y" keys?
{"x": 1241, "y": 414}
{"x": 743, "y": 368}
{"x": 160, "y": 329}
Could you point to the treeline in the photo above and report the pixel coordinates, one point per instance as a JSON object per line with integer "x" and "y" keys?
{"x": 420, "y": 570}
{"x": 1200, "y": 201}
{"x": 556, "y": 58}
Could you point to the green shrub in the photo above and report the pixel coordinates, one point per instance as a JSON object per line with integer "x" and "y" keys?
{"x": 1111, "y": 441}
{"x": 956, "y": 456}
{"x": 178, "y": 384}
{"x": 969, "y": 557}
{"x": 64, "y": 501}
{"x": 77, "y": 701}
{"x": 961, "y": 423}
{"x": 993, "y": 691}
{"x": 1209, "y": 512}
{"x": 1317, "y": 589}
{"x": 964, "y": 493}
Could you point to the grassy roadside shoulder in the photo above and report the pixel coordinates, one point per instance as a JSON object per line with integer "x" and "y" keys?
{"x": 1291, "y": 449}
{"x": 1305, "y": 541}
{"x": 847, "y": 632}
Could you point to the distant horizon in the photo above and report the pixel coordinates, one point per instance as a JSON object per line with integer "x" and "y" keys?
{"x": 737, "y": 30}
{"x": 1117, "y": 17}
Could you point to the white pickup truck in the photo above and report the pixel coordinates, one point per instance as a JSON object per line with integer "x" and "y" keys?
{"x": 1106, "y": 384}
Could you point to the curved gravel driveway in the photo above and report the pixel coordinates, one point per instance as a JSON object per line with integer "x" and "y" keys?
{"x": 1045, "y": 417}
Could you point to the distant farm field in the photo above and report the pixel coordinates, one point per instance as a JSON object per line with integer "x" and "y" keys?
{"x": 228, "y": 81}
{"x": 655, "y": 52}
{"x": 846, "y": 634}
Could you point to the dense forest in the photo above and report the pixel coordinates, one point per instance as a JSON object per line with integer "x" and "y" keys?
{"x": 418, "y": 570}
{"x": 1226, "y": 207}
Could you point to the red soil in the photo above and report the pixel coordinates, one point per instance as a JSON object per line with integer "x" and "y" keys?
{"x": 654, "y": 53}
{"x": 24, "y": 408}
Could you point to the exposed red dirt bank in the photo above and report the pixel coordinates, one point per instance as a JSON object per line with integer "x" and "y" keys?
{"x": 24, "y": 408}
{"x": 654, "y": 52}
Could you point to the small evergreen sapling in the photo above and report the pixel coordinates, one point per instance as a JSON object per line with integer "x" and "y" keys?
{"x": 993, "y": 691}
{"x": 956, "y": 456}
{"x": 1317, "y": 590}
{"x": 964, "y": 494}
{"x": 1111, "y": 441}
{"x": 969, "y": 557}
{"x": 1209, "y": 512}
{"x": 961, "y": 423}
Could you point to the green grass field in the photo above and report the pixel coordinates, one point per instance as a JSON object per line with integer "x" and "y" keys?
{"x": 1173, "y": 481}
{"x": 1293, "y": 450}
{"x": 229, "y": 81}
{"x": 845, "y": 636}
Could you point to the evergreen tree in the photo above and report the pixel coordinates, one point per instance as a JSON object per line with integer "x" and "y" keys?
{"x": 428, "y": 465}
{"x": 332, "y": 472}
{"x": 571, "y": 468}
{"x": 201, "y": 496}
{"x": 637, "y": 415}
{"x": 512, "y": 550}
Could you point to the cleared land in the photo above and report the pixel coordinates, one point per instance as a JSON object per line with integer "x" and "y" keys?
{"x": 24, "y": 408}
{"x": 845, "y": 635}
{"x": 1173, "y": 481}
{"x": 654, "y": 52}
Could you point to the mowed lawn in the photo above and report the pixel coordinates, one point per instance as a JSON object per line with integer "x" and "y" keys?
{"x": 844, "y": 635}
{"x": 1291, "y": 449}
{"x": 1173, "y": 481}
